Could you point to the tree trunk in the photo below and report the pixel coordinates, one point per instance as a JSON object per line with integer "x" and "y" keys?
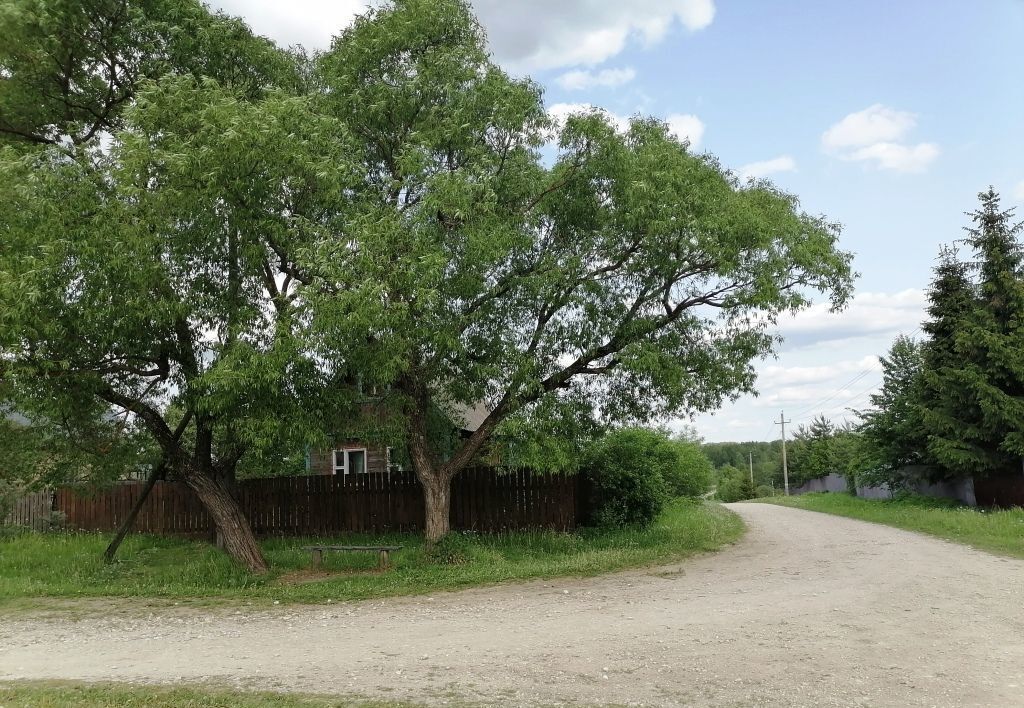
{"x": 232, "y": 526}
{"x": 437, "y": 496}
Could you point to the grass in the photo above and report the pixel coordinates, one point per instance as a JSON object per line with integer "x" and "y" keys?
{"x": 997, "y": 531}
{"x": 69, "y": 565}
{"x": 57, "y": 694}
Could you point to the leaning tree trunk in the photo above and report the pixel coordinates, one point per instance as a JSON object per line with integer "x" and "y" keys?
{"x": 234, "y": 529}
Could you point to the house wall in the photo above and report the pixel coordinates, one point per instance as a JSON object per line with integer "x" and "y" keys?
{"x": 322, "y": 461}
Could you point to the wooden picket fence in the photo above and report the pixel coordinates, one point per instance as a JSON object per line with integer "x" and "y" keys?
{"x": 34, "y": 510}
{"x": 482, "y": 500}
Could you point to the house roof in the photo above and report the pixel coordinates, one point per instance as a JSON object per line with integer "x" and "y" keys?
{"x": 469, "y": 416}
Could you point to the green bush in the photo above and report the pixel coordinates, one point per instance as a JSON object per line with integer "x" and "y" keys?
{"x": 689, "y": 472}
{"x": 734, "y": 485}
{"x": 625, "y": 469}
{"x": 763, "y": 491}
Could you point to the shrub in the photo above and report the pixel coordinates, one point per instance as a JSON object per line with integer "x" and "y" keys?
{"x": 764, "y": 490}
{"x": 689, "y": 472}
{"x": 625, "y": 469}
{"x": 734, "y": 485}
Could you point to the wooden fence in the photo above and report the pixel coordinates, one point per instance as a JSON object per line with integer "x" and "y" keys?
{"x": 1003, "y": 492}
{"x": 34, "y": 510}
{"x": 482, "y": 500}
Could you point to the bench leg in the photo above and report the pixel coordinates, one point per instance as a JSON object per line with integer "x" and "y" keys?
{"x": 383, "y": 560}
{"x": 318, "y": 558}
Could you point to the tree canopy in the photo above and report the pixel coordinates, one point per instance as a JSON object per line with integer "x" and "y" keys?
{"x": 264, "y": 238}
{"x": 629, "y": 280}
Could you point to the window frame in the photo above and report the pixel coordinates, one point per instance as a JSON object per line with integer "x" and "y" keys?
{"x": 344, "y": 469}
{"x": 389, "y": 463}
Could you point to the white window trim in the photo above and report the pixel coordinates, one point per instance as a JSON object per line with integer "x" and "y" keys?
{"x": 392, "y": 466}
{"x": 344, "y": 467}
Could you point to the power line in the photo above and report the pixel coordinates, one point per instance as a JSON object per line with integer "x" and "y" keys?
{"x": 838, "y": 392}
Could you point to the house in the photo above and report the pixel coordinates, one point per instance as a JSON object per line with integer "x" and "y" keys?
{"x": 360, "y": 457}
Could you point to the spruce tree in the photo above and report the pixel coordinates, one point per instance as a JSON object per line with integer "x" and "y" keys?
{"x": 973, "y": 369}
{"x": 955, "y": 446}
{"x": 892, "y": 428}
{"x": 994, "y": 336}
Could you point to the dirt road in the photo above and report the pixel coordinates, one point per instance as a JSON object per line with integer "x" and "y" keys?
{"x": 807, "y": 610}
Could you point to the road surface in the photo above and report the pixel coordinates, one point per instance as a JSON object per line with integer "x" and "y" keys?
{"x": 806, "y": 610}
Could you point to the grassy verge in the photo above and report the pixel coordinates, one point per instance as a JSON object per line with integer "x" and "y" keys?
{"x": 55, "y": 694}
{"x": 70, "y": 566}
{"x": 997, "y": 531}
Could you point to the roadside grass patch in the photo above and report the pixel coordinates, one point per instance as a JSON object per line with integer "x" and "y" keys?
{"x": 60, "y": 694}
{"x": 69, "y": 565}
{"x": 997, "y": 531}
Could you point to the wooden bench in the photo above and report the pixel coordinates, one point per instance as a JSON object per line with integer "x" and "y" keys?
{"x": 381, "y": 551}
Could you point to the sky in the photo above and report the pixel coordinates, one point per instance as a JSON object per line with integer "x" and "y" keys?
{"x": 888, "y": 117}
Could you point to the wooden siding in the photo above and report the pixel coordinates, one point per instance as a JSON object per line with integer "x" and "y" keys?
{"x": 322, "y": 461}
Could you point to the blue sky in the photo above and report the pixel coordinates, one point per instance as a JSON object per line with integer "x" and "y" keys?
{"x": 886, "y": 116}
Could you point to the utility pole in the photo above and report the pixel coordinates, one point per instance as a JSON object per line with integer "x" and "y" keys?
{"x": 750, "y": 459}
{"x": 785, "y": 470}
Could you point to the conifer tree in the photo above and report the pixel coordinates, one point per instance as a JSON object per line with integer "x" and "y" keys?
{"x": 993, "y": 335}
{"x": 973, "y": 370}
{"x": 952, "y": 446}
{"x": 892, "y": 428}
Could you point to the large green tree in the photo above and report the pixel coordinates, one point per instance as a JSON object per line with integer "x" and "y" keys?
{"x": 260, "y": 240}
{"x": 146, "y": 277}
{"x": 625, "y": 278}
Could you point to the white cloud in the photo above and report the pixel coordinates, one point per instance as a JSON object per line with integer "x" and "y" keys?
{"x": 1018, "y": 191}
{"x": 582, "y": 79}
{"x": 867, "y": 315}
{"x": 683, "y": 127}
{"x": 526, "y": 35}
{"x": 894, "y": 156}
{"x": 756, "y": 170}
{"x": 878, "y": 135}
{"x": 561, "y": 111}
{"x": 803, "y": 375}
{"x": 874, "y": 124}
{"x": 686, "y": 127}
{"x": 541, "y": 34}
{"x": 310, "y": 23}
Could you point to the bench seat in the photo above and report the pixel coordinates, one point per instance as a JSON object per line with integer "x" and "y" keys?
{"x": 383, "y": 552}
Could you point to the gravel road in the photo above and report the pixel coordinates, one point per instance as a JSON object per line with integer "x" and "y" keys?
{"x": 807, "y": 610}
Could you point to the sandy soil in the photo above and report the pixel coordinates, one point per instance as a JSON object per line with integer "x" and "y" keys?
{"x": 807, "y": 610}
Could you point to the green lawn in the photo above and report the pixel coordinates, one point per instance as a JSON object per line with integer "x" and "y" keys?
{"x": 997, "y": 531}
{"x": 69, "y": 565}
{"x": 50, "y": 694}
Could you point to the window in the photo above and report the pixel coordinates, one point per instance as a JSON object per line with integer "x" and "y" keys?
{"x": 393, "y": 465}
{"x": 350, "y": 461}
